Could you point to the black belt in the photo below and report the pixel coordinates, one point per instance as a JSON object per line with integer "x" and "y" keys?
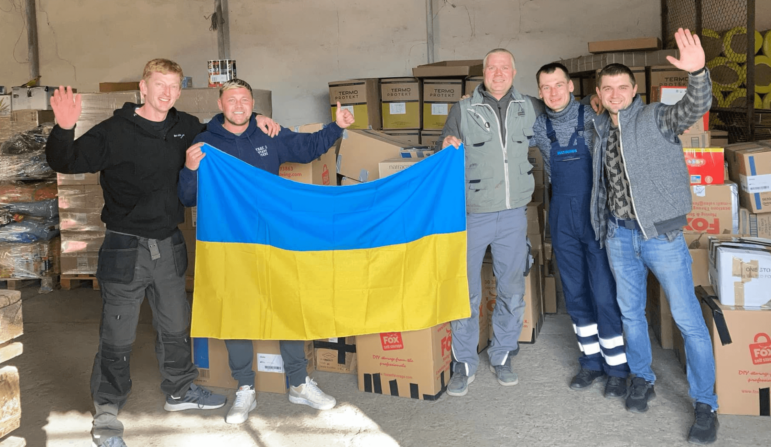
{"x": 628, "y": 224}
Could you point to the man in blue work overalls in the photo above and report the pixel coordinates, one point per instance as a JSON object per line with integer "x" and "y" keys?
{"x": 587, "y": 281}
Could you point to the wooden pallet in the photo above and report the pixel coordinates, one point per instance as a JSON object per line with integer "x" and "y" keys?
{"x": 18, "y": 284}
{"x": 73, "y": 281}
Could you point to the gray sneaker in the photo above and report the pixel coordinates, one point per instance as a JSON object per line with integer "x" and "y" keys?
{"x": 115, "y": 441}
{"x": 196, "y": 398}
{"x": 459, "y": 381}
{"x": 504, "y": 374}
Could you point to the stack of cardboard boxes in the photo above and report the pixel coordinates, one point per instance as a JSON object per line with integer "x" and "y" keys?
{"x": 80, "y": 195}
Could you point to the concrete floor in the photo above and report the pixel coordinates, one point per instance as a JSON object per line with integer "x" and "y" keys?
{"x": 61, "y": 337}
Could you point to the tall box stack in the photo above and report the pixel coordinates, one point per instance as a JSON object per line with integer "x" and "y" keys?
{"x": 749, "y": 165}
{"x": 444, "y": 84}
{"x": 29, "y": 223}
{"x": 80, "y": 196}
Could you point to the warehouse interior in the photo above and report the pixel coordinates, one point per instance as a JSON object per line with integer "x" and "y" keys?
{"x": 294, "y": 53}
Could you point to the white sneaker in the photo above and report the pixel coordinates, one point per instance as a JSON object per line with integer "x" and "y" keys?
{"x": 246, "y": 401}
{"x": 310, "y": 394}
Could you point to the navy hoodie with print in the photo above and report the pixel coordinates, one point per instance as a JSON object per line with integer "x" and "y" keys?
{"x": 258, "y": 149}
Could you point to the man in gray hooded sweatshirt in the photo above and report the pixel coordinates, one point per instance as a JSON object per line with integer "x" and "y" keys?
{"x": 640, "y": 199}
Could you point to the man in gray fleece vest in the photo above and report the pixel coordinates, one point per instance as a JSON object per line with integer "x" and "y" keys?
{"x": 590, "y": 290}
{"x": 495, "y": 125}
{"x": 640, "y": 198}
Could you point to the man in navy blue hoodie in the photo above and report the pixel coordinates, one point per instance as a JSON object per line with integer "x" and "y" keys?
{"x": 235, "y": 132}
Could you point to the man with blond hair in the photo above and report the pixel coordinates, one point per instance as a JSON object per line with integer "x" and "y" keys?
{"x": 234, "y": 132}
{"x": 495, "y": 125}
{"x": 139, "y": 152}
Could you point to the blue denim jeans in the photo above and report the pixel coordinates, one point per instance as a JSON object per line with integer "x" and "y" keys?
{"x": 630, "y": 258}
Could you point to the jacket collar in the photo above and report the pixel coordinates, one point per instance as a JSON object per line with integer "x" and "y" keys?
{"x": 602, "y": 122}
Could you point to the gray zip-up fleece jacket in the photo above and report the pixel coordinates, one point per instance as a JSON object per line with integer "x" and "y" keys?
{"x": 653, "y": 160}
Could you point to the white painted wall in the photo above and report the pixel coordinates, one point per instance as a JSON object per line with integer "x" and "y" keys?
{"x": 294, "y": 47}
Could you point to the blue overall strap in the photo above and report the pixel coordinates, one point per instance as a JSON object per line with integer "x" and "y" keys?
{"x": 579, "y": 127}
{"x": 550, "y": 131}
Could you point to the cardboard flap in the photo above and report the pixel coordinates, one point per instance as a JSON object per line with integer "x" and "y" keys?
{"x": 717, "y": 315}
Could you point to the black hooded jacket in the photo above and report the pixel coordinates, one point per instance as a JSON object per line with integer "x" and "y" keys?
{"x": 139, "y": 167}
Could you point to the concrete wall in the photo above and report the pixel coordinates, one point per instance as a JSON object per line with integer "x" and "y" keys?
{"x": 294, "y": 47}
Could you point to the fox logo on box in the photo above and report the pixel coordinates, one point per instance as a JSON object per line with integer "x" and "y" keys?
{"x": 391, "y": 341}
{"x": 761, "y": 350}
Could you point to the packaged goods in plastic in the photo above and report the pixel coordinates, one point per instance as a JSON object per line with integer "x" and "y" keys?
{"x": 22, "y": 156}
{"x": 81, "y": 242}
{"x": 27, "y": 261}
{"x": 29, "y": 229}
{"x": 15, "y": 191}
{"x": 80, "y": 196}
{"x": 15, "y": 212}
{"x": 81, "y": 219}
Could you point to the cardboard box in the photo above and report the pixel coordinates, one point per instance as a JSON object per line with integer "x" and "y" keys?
{"x": 488, "y": 293}
{"x": 535, "y": 158}
{"x": 78, "y": 243}
{"x": 639, "y": 44}
{"x": 11, "y": 322}
{"x": 532, "y": 212}
{"x": 361, "y": 97}
{"x": 754, "y": 225}
{"x": 742, "y": 356}
{"x": 211, "y": 358}
{"x": 533, "y": 316}
{"x": 409, "y": 137}
{"x": 202, "y": 102}
{"x": 345, "y": 181}
{"x": 361, "y": 151}
{"x": 5, "y": 105}
{"x": 471, "y": 84}
{"x": 81, "y": 219}
{"x": 77, "y": 179}
{"x": 695, "y": 139}
{"x": 443, "y": 69}
{"x": 106, "y": 87}
{"x": 394, "y": 165}
{"x": 321, "y": 171}
{"x": 658, "y": 313}
{"x": 104, "y": 104}
{"x": 336, "y": 355}
{"x": 190, "y": 272}
{"x": 191, "y": 214}
{"x": 706, "y": 166}
{"x": 430, "y": 138}
{"x": 718, "y": 138}
{"x": 79, "y": 264}
{"x": 732, "y": 152}
{"x": 538, "y": 194}
{"x": 413, "y": 364}
{"x": 755, "y": 179}
{"x": 667, "y": 75}
{"x": 10, "y": 401}
{"x": 16, "y": 192}
{"x": 400, "y": 106}
{"x": 36, "y": 117}
{"x": 80, "y": 196}
{"x": 739, "y": 272}
{"x": 550, "y": 294}
{"x": 439, "y": 95}
{"x": 715, "y": 209}
{"x": 35, "y": 98}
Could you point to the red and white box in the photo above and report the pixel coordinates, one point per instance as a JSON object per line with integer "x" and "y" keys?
{"x": 705, "y": 165}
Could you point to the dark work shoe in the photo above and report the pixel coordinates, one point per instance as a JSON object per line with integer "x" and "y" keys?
{"x": 640, "y": 393}
{"x": 585, "y": 378}
{"x": 615, "y": 387}
{"x": 704, "y": 428}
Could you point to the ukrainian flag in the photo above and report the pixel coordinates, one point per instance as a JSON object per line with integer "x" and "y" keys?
{"x": 280, "y": 260}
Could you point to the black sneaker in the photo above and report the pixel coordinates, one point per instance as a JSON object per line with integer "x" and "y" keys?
{"x": 615, "y": 388}
{"x": 585, "y": 378}
{"x": 640, "y": 393}
{"x": 704, "y": 428}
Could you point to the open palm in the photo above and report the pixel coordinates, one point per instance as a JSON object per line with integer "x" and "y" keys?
{"x": 66, "y": 107}
{"x": 691, "y": 52}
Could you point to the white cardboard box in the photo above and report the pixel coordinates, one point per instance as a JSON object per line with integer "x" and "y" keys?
{"x": 33, "y": 98}
{"x": 740, "y": 272}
